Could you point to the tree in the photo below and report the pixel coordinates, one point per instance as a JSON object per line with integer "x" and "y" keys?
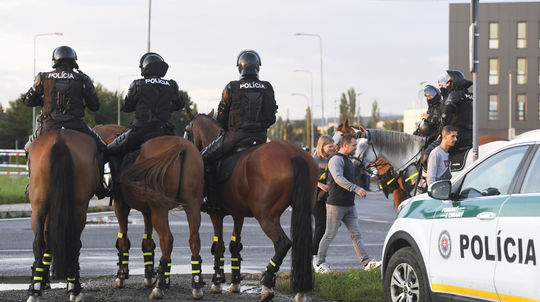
{"x": 393, "y": 125}
{"x": 375, "y": 115}
{"x": 15, "y": 125}
{"x": 179, "y": 118}
{"x": 348, "y": 108}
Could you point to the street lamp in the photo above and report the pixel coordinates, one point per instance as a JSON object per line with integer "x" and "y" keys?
{"x": 309, "y": 121}
{"x": 119, "y": 99}
{"x": 311, "y": 102}
{"x": 35, "y": 38}
{"x": 149, "y": 19}
{"x": 322, "y": 90}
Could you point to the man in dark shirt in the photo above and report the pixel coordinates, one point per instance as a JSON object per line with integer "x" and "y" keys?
{"x": 340, "y": 205}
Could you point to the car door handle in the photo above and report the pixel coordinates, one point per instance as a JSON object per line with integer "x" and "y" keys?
{"x": 486, "y": 216}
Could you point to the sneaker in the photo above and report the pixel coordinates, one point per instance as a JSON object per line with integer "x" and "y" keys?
{"x": 315, "y": 261}
{"x": 322, "y": 268}
{"x": 372, "y": 265}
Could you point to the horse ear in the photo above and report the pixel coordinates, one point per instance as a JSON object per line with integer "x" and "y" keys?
{"x": 363, "y": 132}
{"x": 188, "y": 112}
{"x": 346, "y": 123}
{"x": 211, "y": 113}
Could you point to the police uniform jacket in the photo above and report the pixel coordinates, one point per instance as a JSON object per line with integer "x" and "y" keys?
{"x": 63, "y": 94}
{"x": 153, "y": 99}
{"x": 247, "y": 105}
{"x": 458, "y": 110}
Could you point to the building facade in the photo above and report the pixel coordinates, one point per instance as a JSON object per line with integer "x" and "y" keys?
{"x": 509, "y": 68}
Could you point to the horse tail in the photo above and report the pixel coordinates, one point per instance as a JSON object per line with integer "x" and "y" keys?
{"x": 301, "y": 233}
{"x": 146, "y": 179}
{"x": 64, "y": 230}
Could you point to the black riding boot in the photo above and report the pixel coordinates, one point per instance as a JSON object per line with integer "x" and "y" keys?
{"x": 210, "y": 202}
{"x": 213, "y": 151}
{"x": 101, "y": 191}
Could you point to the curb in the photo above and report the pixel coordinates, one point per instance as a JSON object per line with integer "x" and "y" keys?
{"x": 20, "y": 210}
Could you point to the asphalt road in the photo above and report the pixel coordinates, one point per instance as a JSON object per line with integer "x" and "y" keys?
{"x": 98, "y": 255}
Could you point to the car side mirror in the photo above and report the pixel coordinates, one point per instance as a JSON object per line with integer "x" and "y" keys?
{"x": 440, "y": 189}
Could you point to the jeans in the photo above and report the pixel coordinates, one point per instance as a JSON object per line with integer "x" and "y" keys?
{"x": 319, "y": 213}
{"x": 334, "y": 216}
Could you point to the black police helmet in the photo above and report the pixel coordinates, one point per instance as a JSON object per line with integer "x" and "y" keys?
{"x": 425, "y": 129}
{"x": 152, "y": 64}
{"x": 64, "y": 54}
{"x": 454, "y": 77}
{"x": 432, "y": 93}
{"x": 248, "y": 63}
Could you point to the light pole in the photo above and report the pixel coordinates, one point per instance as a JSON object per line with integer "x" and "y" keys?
{"x": 119, "y": 96}
{"x": 358, "y": 106}
{"x": 511, "y": 131}
{"x": 35, "y": 39}
{"x": 311, "y": 102}
{"x": 149, "y": 19}
{"x": 322, "y": 87}
{"x": 309, "y": 121}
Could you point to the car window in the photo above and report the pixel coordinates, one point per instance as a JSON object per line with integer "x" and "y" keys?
{"x": 494, "y": 175}
{"x": 531, "y": 184}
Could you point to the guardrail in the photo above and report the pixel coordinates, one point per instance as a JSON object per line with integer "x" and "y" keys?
{"x": 10, "y": 153}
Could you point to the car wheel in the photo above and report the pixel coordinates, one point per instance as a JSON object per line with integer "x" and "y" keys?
{"x": 404, "y": 278}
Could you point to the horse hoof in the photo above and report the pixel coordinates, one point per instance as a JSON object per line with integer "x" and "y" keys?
{"x": 148, "y": 282}
{"x": 33, "y": 298}
{"x": 119, "y": 283}
{"x": 300, "y": 297}
{"x": 156, "y": 293}
{"x": 197, "y": 293}
{"x": 77, "y": 298}
{"x": 234, "y": 288}
{"x": 267, "y": 294}
{"x": 215, "y": 288}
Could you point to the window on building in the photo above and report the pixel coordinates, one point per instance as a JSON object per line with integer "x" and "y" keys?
{"x": 521, "y": 68}
{"x": 493, "y": 107}
{"x": 494, "y": 35}
{"x": 521, "y": 107}
{"x": 522, "y": 35}
{"x": 493, "y": 71}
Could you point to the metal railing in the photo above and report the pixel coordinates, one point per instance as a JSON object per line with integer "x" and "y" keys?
{"x": 10, "y": 153}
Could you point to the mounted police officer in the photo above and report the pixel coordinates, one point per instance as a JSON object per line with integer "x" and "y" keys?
{"x": 63, "y": 94}
{"x": 152, "y": 99}
{"x": 246, "y": 111}
{"x": 457, "y": 112}
{"x": 431, "y": 120}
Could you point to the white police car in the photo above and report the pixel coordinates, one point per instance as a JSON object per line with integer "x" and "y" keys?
{"x": 474, "y": 238}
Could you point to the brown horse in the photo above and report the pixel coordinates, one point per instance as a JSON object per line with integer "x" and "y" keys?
{"x": 265, "y": 181}
{"x": 64, "y": 176}
{"x": 166, "y": 174}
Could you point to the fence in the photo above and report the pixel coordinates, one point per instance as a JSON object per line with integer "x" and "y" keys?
{"x": 10, "y": 153}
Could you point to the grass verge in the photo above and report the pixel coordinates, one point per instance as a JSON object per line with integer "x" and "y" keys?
{"x": 352, "y": 285}
{"x": 12, "y": 189}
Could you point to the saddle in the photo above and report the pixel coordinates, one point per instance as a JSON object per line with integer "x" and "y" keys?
{"x": 226, "y": 164}
{"x": 457, "y": 160}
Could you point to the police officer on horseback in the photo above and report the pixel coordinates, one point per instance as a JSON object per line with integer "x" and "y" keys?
{"x": 152, "y": 99}
{"x": 431, "y": 120}
{"x": 246, "y": 111}
{"x": 63, "y": 95}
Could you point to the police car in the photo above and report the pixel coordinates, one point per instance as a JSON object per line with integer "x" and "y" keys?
{"x": 474, "y": 238}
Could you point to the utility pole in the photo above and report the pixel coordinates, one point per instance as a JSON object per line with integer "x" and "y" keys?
{"x": 473, "y": 61}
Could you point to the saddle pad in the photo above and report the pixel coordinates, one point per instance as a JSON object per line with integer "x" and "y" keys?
{"x": 457, "y": 161}
{"x": 226, "y": 165}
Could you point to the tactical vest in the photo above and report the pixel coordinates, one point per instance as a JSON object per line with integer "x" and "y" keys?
{"x": 63, "y": 95}
{"x": 154, "y": 97}
{"x": 336, "y": 194}
{"x": 462, "y": 119}
{"x": 253, "y": 106}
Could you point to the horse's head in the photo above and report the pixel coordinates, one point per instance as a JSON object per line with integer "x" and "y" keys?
{"x": 202, "y": 129}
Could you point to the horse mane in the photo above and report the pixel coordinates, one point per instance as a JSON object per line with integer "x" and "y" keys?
{"x": 396, "y": 144}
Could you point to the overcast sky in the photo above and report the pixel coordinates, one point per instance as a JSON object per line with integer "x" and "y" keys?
{"x": 383, "y": 49}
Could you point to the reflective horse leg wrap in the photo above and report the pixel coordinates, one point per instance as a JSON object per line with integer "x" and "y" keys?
{"x": 40, "y": 275}
{"x": 235, "y": 247}
{"x": 163, "y": 280}
{"x": 148, "y": 256}
{"x": 123, "y": 258}
{"x": 218, "y": 248}
{"x": 268, "y": 278}
{"x": 74, "y": 285}
{"x": 196, "y": 276}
